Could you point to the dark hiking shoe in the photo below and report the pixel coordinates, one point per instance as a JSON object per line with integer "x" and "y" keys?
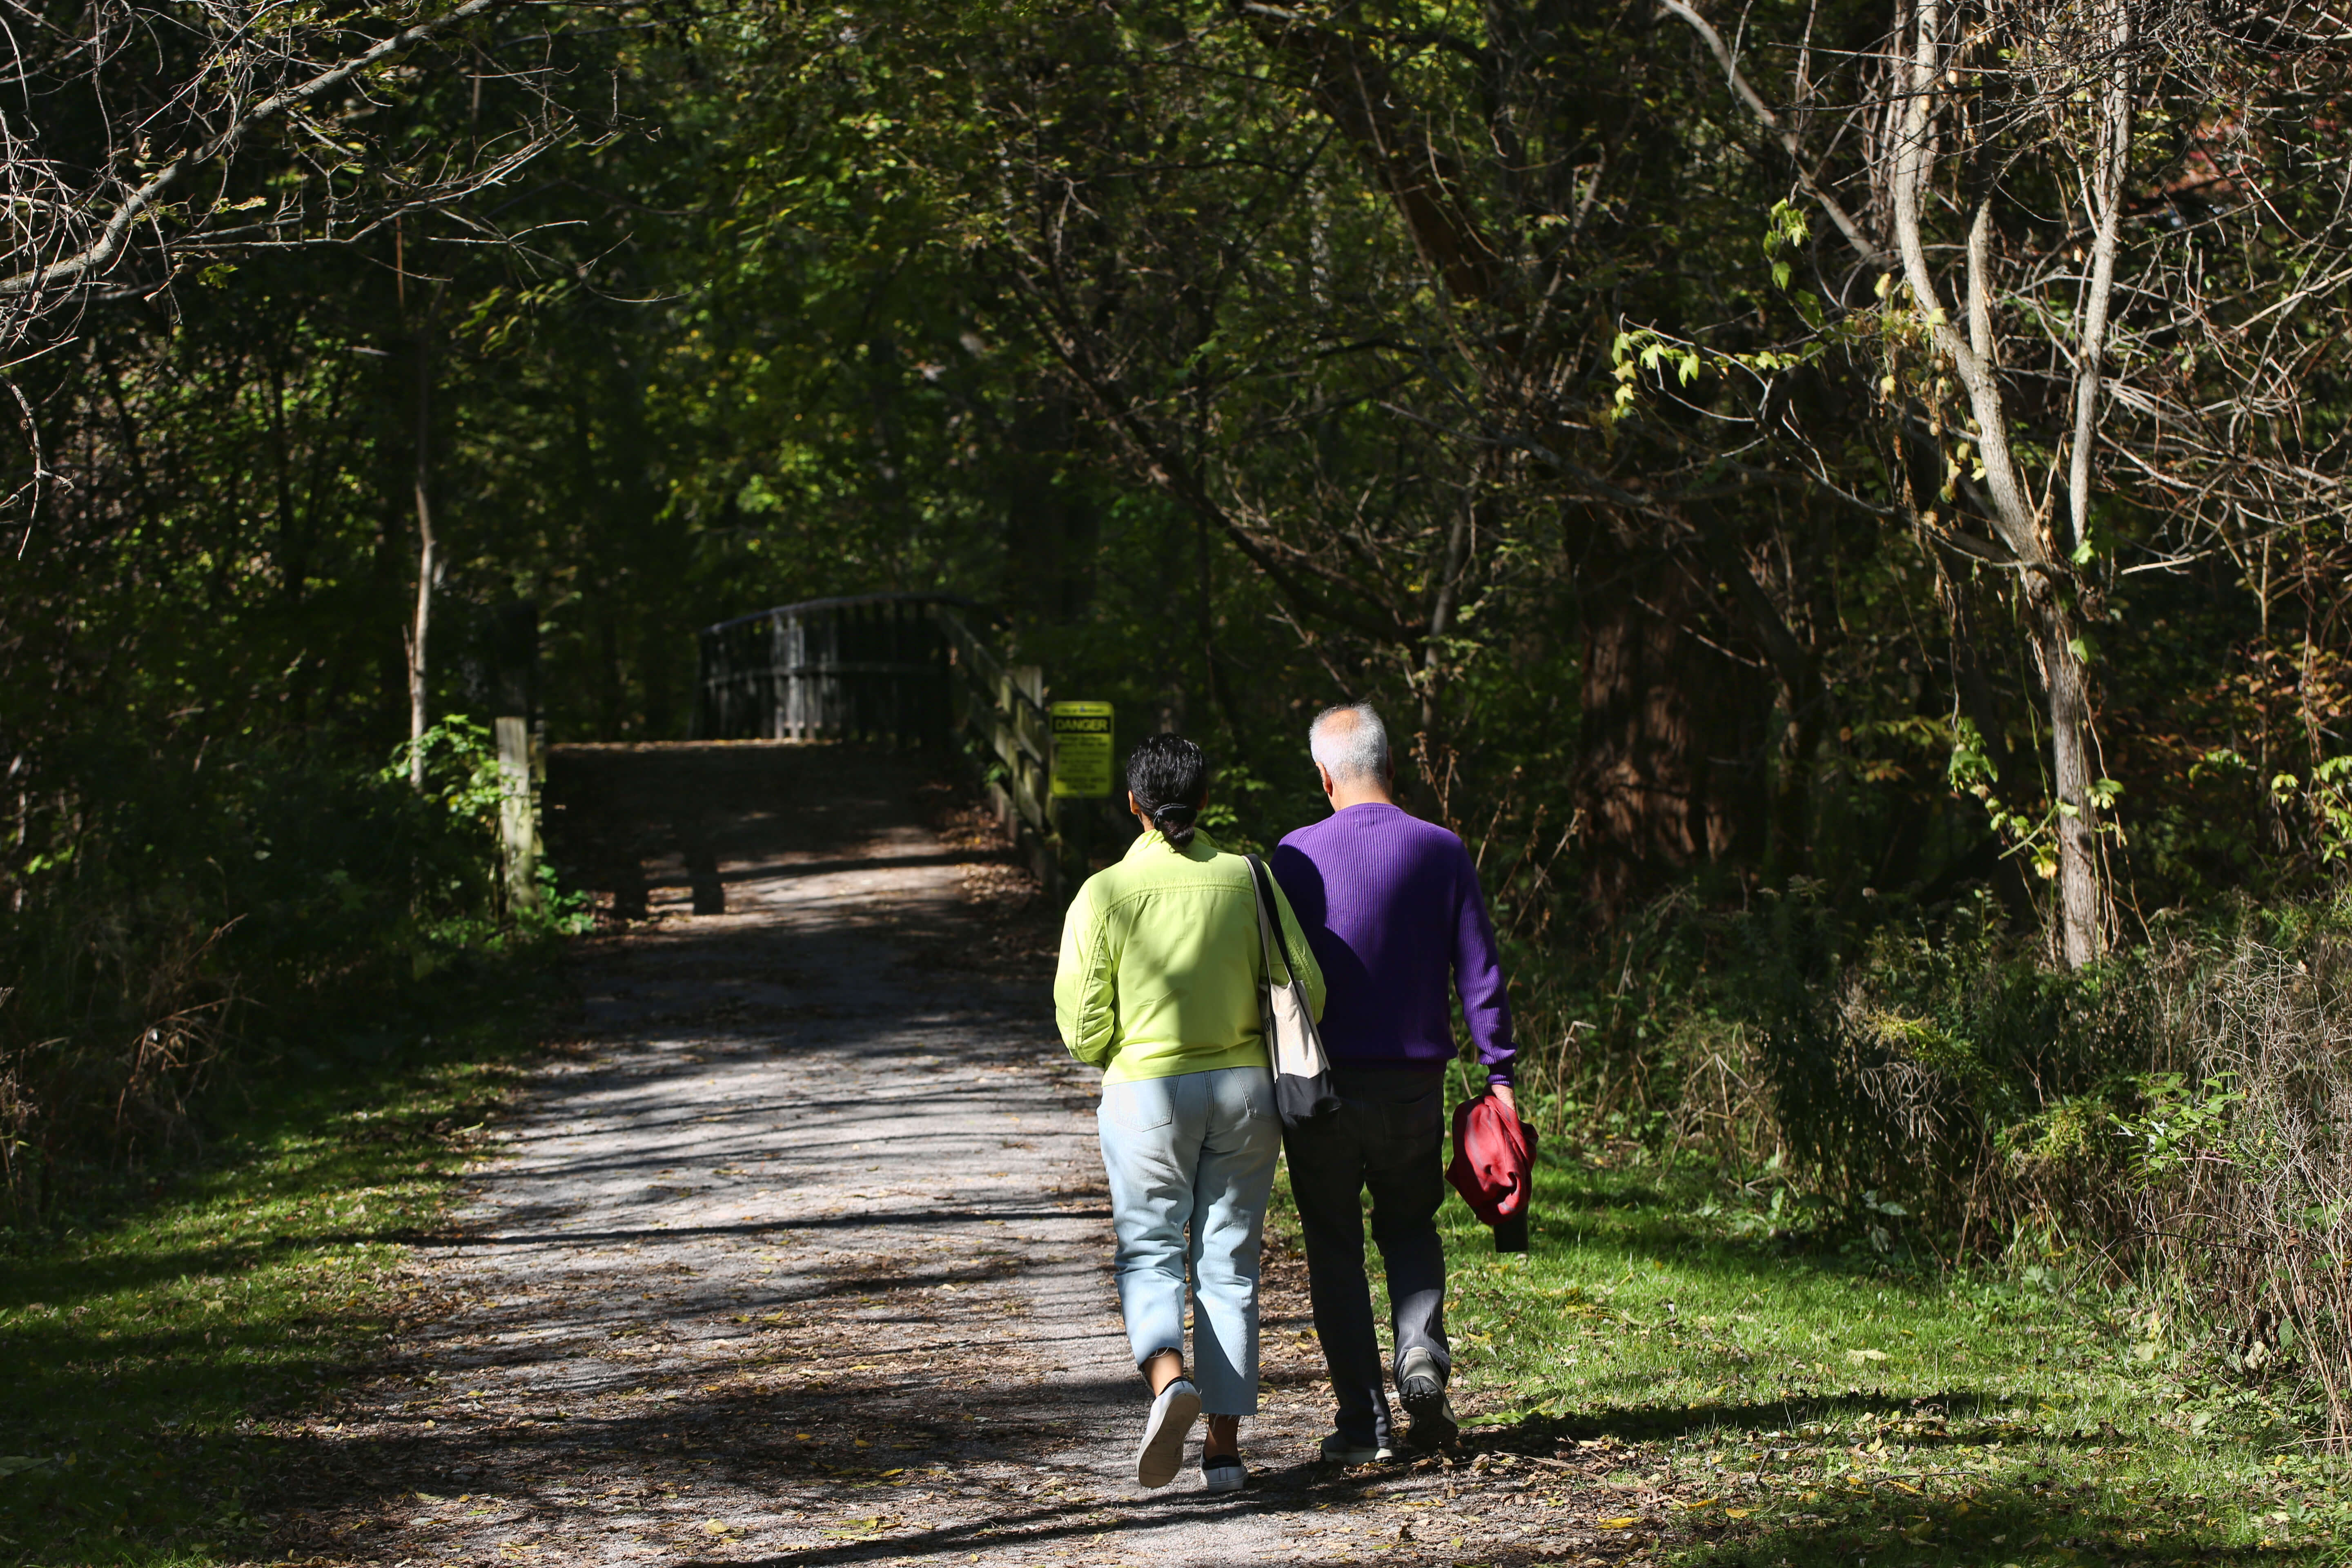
{"x": 1337, "y": 1450}
{"x": 1421, "y": 1390}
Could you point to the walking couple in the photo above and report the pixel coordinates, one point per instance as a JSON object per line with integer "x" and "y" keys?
{"x": 1379, "y": 918}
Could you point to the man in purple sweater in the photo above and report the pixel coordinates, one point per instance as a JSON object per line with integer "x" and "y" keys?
{"x": 1392, "y": 908}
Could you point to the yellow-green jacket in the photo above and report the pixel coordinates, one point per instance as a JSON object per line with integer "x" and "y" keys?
{"x": 1161, "y": 964}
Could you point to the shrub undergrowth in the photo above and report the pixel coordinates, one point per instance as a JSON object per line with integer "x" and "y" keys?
{"x": 2170, "y": 1118}
{"x": 187, "y": 924}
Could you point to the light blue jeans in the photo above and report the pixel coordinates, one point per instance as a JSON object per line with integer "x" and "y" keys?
{"x": 1195, "y": 1150}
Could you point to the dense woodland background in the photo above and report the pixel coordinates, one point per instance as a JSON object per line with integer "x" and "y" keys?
{"x": 1844, "y": 499}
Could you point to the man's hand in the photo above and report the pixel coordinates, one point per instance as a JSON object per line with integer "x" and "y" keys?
{"x": 1502, "y": 1092}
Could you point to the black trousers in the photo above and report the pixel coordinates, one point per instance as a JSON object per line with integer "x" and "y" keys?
{"x": 1388, "y": 1137}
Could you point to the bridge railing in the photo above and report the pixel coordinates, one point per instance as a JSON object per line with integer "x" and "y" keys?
{"x": 1003, "y": 710}
{"x": 869, "y": 667}
{"x": 905, "y": 670}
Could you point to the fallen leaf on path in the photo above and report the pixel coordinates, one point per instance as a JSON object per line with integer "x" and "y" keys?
{"x": 851, "y": 1528}
{"x": 1626, "y": 1524}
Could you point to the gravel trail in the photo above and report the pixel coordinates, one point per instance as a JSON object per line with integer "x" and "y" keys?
{"x": 795, "y": 1250}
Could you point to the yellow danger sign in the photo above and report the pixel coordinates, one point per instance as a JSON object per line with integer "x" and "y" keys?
{"x": 1082, "y": 750}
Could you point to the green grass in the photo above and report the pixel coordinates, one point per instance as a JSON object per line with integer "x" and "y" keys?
{"x": 1813, "y": 1405}
{"x": 1750, "y": 1403}
{"x": 149, "y": 1340}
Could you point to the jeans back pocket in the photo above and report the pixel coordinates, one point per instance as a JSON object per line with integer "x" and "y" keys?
{"x": 1140, "y": 1105}
{"x": 1256, "y": 1085}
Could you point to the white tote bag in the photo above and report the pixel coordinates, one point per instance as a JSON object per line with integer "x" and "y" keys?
{"x": 1302, "y": 1073}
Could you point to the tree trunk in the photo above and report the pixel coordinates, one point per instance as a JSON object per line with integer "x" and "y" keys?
{"x": 1788, "y": 640}
{"x": 1443, "y": 605}
{"x": 2082, "y": 891}
{"x": 1669, "y": 775}
{"x": 429, "y": 564}
{"x": 1788, "y": 838}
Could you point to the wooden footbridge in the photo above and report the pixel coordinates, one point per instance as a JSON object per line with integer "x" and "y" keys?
{"x": 899, "y": 671}
{"x": 902, "y": 673}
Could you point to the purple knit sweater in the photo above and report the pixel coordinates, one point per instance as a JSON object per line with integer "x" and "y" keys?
{"x": 1390, "y": 905}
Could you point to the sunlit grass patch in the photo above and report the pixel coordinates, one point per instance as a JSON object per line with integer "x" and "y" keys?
{"x": 1735, "y": 1402}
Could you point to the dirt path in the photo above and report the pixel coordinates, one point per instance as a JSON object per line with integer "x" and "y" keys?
{"x": 798, "y": 1253}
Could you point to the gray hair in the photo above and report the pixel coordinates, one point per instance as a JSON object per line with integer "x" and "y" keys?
{"x": 1349, "y": 742}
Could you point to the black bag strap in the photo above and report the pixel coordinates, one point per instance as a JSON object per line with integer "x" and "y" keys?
{"x": 1269, "y": 924}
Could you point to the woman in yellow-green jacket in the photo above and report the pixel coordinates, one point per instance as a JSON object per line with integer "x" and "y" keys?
{"x": 1158, "y": 987}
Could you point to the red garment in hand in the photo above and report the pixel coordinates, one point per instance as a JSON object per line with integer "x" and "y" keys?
{"x": 1493, "y": 1160}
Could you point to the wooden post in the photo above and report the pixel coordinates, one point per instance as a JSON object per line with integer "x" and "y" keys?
{"x": 1073, "y": 829}
{"x": 792, "y": 682}
{"x": 1034, "y": 785}
{"x": 519, "y": 772}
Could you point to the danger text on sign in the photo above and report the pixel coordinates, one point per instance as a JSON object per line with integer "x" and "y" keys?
{"x": 1082, "y": 750}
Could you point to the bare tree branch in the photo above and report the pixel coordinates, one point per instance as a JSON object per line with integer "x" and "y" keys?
{"x": 1863, "y": 246}
{"x": 102, "y": 252}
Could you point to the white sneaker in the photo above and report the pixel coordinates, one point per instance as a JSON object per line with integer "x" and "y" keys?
{"x": 1161, "y": 1454}
{"x": 1224, "y": 1473}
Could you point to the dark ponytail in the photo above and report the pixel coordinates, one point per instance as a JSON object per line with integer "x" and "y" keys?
{"x": 1168, "y": 778}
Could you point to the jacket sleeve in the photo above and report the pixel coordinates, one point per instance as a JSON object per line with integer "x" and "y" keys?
{"x": 1086, "y": 1001}
{"x": 1478, "y": 976}
{"x": 1296, "y": 951}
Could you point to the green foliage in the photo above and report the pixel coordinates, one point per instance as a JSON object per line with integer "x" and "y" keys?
{"x": 1895, "y": 1065}
{"x": 1940, "y": 1098}
{"x": 1143, "y": 355}
{"x": 1786, "y": 227}
{"x": 1109, "y": 321}
{"x": 2326, "y": 795}
{"x": 2176, "y": 1117}
{"x": 457, "y": 763}
{"x": 194, "y": 920}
